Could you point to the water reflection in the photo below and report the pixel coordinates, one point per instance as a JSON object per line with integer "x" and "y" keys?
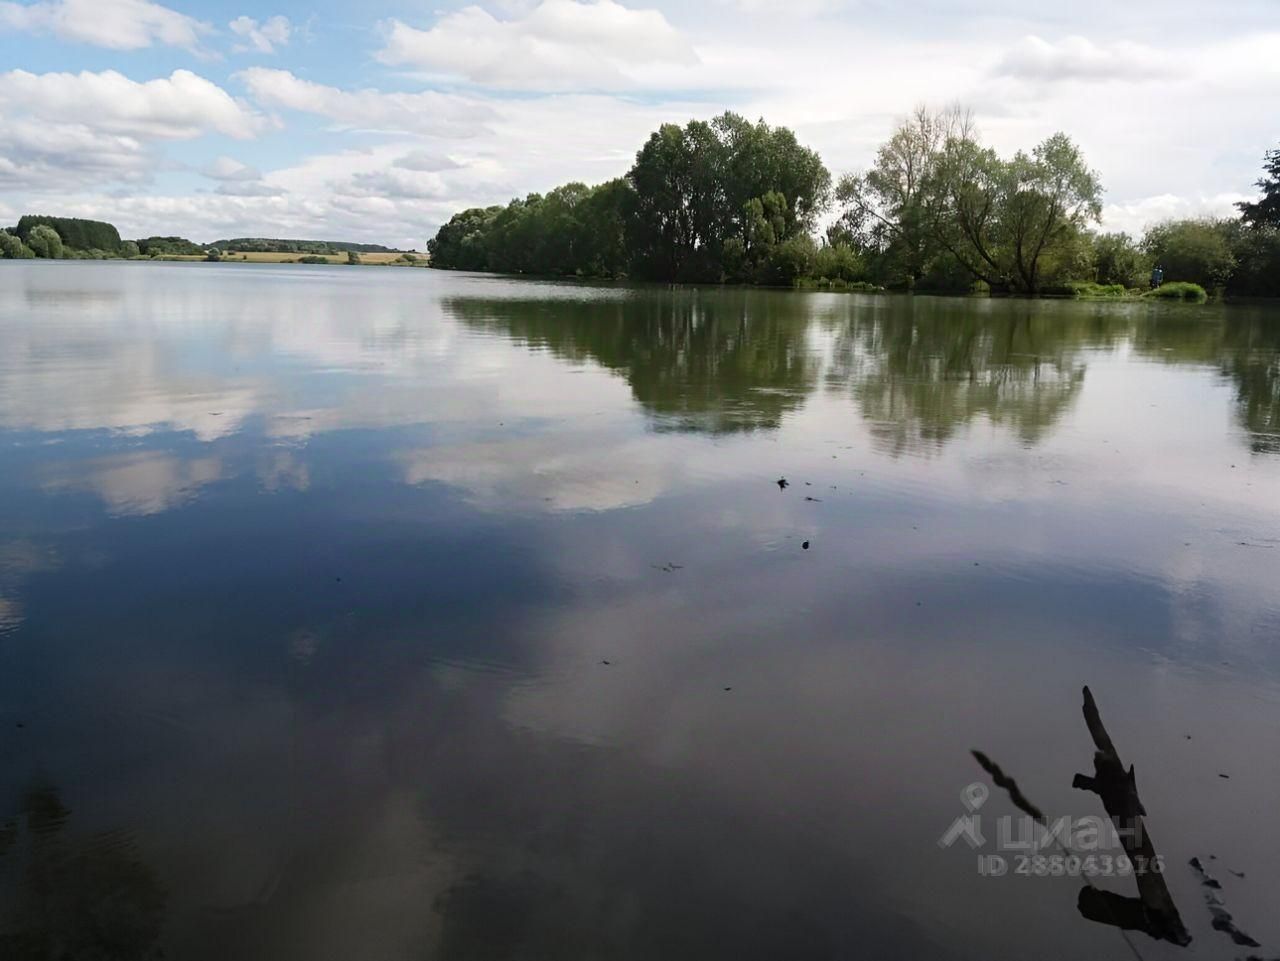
{"x": 922, "y": 370}
{"x": 412, "y": 615}
{"x": 696, "y": 360}
{"x": 80, "y": 897}
{"x": 917, "y": 369}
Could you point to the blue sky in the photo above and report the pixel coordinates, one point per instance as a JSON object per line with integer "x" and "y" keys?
{"x": 375, "y": 121}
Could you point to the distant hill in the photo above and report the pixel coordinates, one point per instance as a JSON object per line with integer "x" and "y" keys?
{"x": 75, "y": 233}
{"x": 271, "y": 245}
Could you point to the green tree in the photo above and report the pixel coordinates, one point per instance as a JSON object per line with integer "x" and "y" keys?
{"x": 460, "y": 243}
{"x": 45, "y": 242}
{"x": 792, "y": 259}
{"x": 11, "y": 248}
{"x": 693, "y": 189}
{"x": 839, "y": 262}
{"x": 1049, "y": 197}
{"x": 353, "y": 257}
{"x": 884, "y": 208}
{"x": 1014, "y": 224}
{"x": 74, "y": 232}
{"x": 1265, "y": 212}
{"x": 130, "y": 248}
{"x": 1118, "y": 259}
{"x": 1197, "y": 251}
{"x": 1256, "y": 253}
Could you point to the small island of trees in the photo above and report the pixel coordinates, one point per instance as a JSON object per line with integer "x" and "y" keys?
{"x": 729, "y": 201}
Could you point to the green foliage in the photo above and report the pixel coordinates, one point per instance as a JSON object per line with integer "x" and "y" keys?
{"x": 695, "y": 188}
{"x": 1196, "y": 251}
{"x": 313, "y": 259}
{"x": 1265, "y": 212}
{"x": 130, "y": 248}
{"x": 353, "y": 258}
{"x": 936, "y": 200}
{"x": 213, "y": 256}
{"x": 44, "y": 241}
{"x": 1085, "y": 289}
{"x": 11, "y": 248}
{"x": 1257, "y": 256}
{"x": 1179, "y": 290}
{"x": 791, "y": 260}
{"x": 703, "y": 202}
{"x": 839, "y": 262}
{"x": 73, "y": 232}
{"x": 169, "y": 247}
{"x": 886, "y": 209}
{"x": 272, "y": 245}
{"x": 1118, "y": 259}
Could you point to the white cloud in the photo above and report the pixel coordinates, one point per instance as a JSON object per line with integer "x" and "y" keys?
{"x": 228, "y": 168}
{"x": 263, "y": 37}
{"x": 116, "y": 24}
{"x": 1135, "y": 216}
{"x": 252, "y": 188}
{"x": 426, "y": 161}
{"x": 101, "y": 128}
{"x": 45, "y": 155}
{"x": 1078, "y": 58}
{"x": 557, "y": 45}
{"x": 178, "y": 107}
{"x": 398, "y": 184}
{"x": 429, "y": 112}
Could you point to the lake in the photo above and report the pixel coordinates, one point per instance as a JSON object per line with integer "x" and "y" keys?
{"x": 390, "y": 613}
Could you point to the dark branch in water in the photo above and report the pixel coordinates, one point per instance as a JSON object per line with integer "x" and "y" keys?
{"x": 1153, "y": 911}
{"x": 1010, "y": 786}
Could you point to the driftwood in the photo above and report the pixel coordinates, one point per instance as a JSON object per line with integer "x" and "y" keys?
{"x": 1153, "y": 911}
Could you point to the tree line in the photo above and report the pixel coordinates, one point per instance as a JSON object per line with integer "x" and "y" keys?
{"x": 737, "y": 202}
{"x": 71, "y": 238}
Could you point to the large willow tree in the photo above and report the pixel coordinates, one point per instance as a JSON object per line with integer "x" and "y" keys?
{"x": 937, "y": 193}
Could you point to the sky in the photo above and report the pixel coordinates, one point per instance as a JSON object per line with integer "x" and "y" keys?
{"x": 376, "y": 121}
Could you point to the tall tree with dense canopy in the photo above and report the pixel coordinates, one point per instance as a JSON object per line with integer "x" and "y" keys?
{"x": 74, "y": 232}
{"x": 1265, "y": 212}
{"x": 708, "y": 201}
{"x": 885, "y": 206}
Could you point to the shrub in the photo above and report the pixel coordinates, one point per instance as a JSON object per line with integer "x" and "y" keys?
{"x": 839, "y": 262}
{"x": 1084, "y": 288}
{"x": 11, "y": 248}
{"x": 1117, "y": 259}
{"x": 353, "y": 257}
{"x": 792, "y": 259}
{"x": 129, "y": 248}
{"x": 1192, "y": 250}
{"x": 213, "y": 256}
{"x": 1179, "y": 290}
{"x": 44, "y": 240}
{"x": 313, "y": 259}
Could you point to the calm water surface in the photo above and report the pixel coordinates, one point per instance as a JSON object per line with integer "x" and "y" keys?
{"x": 393, "y": 614}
